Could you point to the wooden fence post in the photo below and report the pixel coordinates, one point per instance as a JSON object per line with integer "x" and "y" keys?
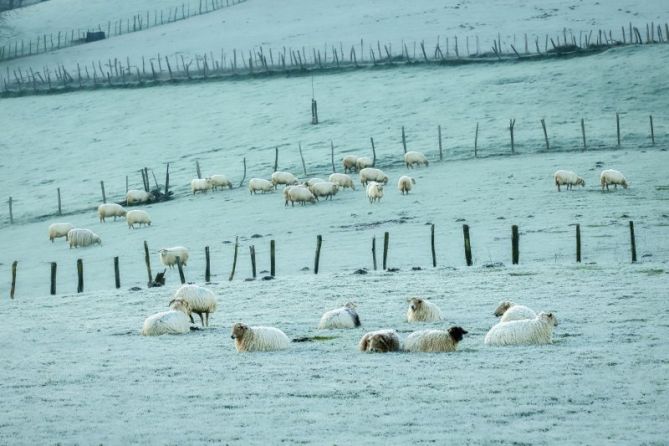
{"x": 104, "y": 196}
{"x": 404, "y": 142}
{"x": 441, "y": 154}
{"x": 434, "y": 254}
{"x": 512, "y": 124}
{"x": 276, "y": 158}
{"x": 80, "y": 276}
{"x": 314, "y": 111}
{"x": 373, "y": 152}
{"x": 468, "y": 245}
{"x": 633, "y": 242}
{"x": 60, "y": 212}
{"x": 652, "y": 130}
{"x": 234, "y": 259}
{"x": 319, "y": 241}
{"x": 207, "y": 269}
{"x": 181, "y": 271}
{"x": 252, "y": 250}
{"x": 304, "y": 166}
{"x": 618, "y": 128}
{"x": 585, "y": 146}
{"x": 272, "y": 251}
{"x": 11, "y": 213}
{"x": 386, "y": 241}
{"x": 543, "y": 125}
{"x": 476, "y": 141}
{"x": 54, "y": 268}
{"x": 117, "y": 273}
{"x": 13, "y": 289}
{"x": 241, "y": 183}
{"x": 374, "y": 251}
{"x": 197, "y": 169}
{"x": 578, "y": 243}
{"x": 147, "y": 260}
{"x": 514, "y": 244}
{"x": 334, "y": 170}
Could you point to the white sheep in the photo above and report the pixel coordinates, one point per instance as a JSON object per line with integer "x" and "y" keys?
{"x": 421, "y": 310}
{"x": 311, "y": 181}
{"x": 413, "y": 158}
{"x": 82, "y": 237}
{"x": 342, "y": 180}
{"x": 260, "y": 184}
{"x": 286, "y": 178}
{"x": 349, "y": 163}
{"x": 523, "y": 332}
{"x": 512, "y": 312}
{"x": 137, "y": 217}
{"x": 219, "y": 181}
{"x": 371, "y": 174}
{"x": 134, "y": 196}
{"x": 168, "y": 256}
{"x": 432, "y": 341}
{"x": 567, "y": 178}
{"x": 258, "y": 339}
{"x": 325, "y": 189}
{"x": 110, "y": 210}
{"x": 200, "y": 185}
{"x": 363, "y": 162}
{"x": 57, "y": 230}
{"x": 374, "y": 191}
{"x": 405, "y": 184}
{"x": 202, "y": 301}
{"x": 614, "y": 177}
{"x": 299, "y": 194}
{"x": 380, "y": 341}
{"x": 344, "y": 317}
{"x": 174, "y": 321}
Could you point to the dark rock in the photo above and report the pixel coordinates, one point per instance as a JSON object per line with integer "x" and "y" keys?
{"x": 360, "y": 271}
{"x": 416, "y": 268}
{"x": 268, "y": 278}
{"x": 135, "y": 288}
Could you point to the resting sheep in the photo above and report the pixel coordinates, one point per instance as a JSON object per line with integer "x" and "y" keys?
{"x": 299, "y": 194}
{"x": 362, "y": 163}
{"x": 380, "y": 341}
{"x": 405, "y": 184}
{"x": 412, "y": 159}
{"x": 512, "y": 312}
{"x": 82, "y": 237}
{"x": 258, "y": 339}
{"x": 371, "y": 174}
{"x": 286, "y": 178}
{"x": 614, "y": 177}
{"x": 219, "y": 182}
{"x": 421, "y": 310}
{"x": 324, "y": 189}
{"x": 202, "y": 301}
{"x": 344, "y": 317}
{"x": 260, "y": 184}
{"x": 523, "y": 332}
{"x": 567, "y": 178}
{"x": 200, "y": 185}
{"x": 110, "y": 210}
{"x": 57, "y": 230}
{"x": 432, "y": 341}
{"x": 137, "y": 217}
{"x": 342, "y": 180}
{"x": 168, "y": 256}
{"x": 134, "y": 196}
{"x": 374, "y": 191}
{"x": 349, "y": 163}
{"x": 174, "y": 321}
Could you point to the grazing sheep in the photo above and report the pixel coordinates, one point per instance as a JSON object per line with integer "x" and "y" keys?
{"x": 412, "y": 159}
{"x": 567, "y": 178}
{"x": 57, "y": 230}
{"x": 363, "y": 162}
{"x": 174, "y": 321}
{"x": 200, "y": 185}
{"x": 614, "y": 177}
{"x": 523, "y": 332}
{"x": 110, "y": 210}
{"x": 202, "y": 301}
{"x": 134, "y": 196}
{"x": 380, "y": 341}
{"x": 258, "y": 339}
{"x": 168, "y": 256}
{"x": 286, "y": 178}
{"x": 432, "y": 341}
{"x": 512, "y": 312}
{"x": 219, "y": 182}
{"x": 405, "y": 184}
{"x": 311, "y": 181}
{"x": 324, "y": 189}
{"x": 349, "y": 163}
{"x": 421, "y": 310}
{"x": 260, "y": 184}
{"x": 371, "y": 174}
{"x": 374, "y": 191}
{"x": 82, "y": 237}
{"x": 298, "y": 194}
{"x": 342, "y": 180}
{"x": 137, "y": 217}
{"x": 344, "y": 317}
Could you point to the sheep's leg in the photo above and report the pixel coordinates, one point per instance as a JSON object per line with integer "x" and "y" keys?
{"x": 201, "y": 318}
{"x": 191, "y": 318}
{"x": 206, "y": 320}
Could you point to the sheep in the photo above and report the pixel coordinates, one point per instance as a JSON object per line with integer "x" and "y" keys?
{"x": 202, "y": 301}
{"x": 349, "y": 162}
{"x": 57, "y": 230}
{"x": 82, "y": 237}
{"x": 311, "y": 181}
{"x": 523, "y": 332}
{"x": 405, "y": 184}
{"x": 344, "y": 317}
{"x": 371, "y": 174}
{"x": 512, "y": 312}
{"x": 134, "y": 196}
{"x": 168, "y": 256}
{"x": 298, "y": 194}
{"x": 324, "y": 189}
{"x": 342, "y": 180}
{"x": 374, "y": 191}
{"x": 219, "y": 181}
{"x": 362, "y": 163}
{"x": 286, "y": 178}
{"x": 380, "y": 341}
{"x": 415, "y": 158}
{"x": 110, "y": 210}
{"x": 200, "y": 185}
{"x": 258, "y": 339}
{"x": 567, "y": 178}
{"x": 174, "y": 321}
{"x": 137, "y": 217}
{"x": 421, "y": 310}
{"x": 260, "y": 184}
{"x": 614, "y": 177}
{"x": 432, "y": 341}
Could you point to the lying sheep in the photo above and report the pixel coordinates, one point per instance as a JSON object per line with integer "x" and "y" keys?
{"x": 432, "y": 341}
{"x": 363, "y": 162}
{"x": 57, "y": 230}
{"x": 342, "y": 180}
{"x": 512, "y": 312}
{"x": 421, "y": 310}
{"x": 202, "y": 301}
{"x": 349, "y": 163}
{"x": 413, "y": 158}
{"x": 110, "y": 210}
{"x": 82, "y": 237}
{"x": 219, "y": 182}
{"x": 614, "y": 177}
{"x": 200, "y": 185}
{"x": 168, "y": 256}
{"x": 567, "y": 178}
{"x": 137, "y": 217}
{"x": 258, "y": 339}
{"x": 405, "y": 184}
{"x": 299, "y": 194}
{"x": 374, "y": 191}
{"x": 371, "y": 174}
{"x": 344, "y": 317}
{"x": 324, "y": 189}
{"x": 260, "y": 184}
{"x": 174, "y": 321}
{"x": 285, "y": 178}
{"x": 380, "y": 341}
{"x": 523, "y": 332}
{"x": 134, "y": 196}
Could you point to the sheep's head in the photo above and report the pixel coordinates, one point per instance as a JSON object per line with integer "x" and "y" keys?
{"x": 503, "y": 306}
{"x": 625, "y": 184}
{"x": 180, "y": 305}
{"x": 385, "y": 179}
{"x": 457, "y": 333}
{"x": 350, "y": 305}
{"x": 580, "y": 181}
{"x": 238, "y": 330}
{"x": 97, "y": 239}
{"x": 415, "y": 303}
{"x": 413, "y": 181}
{"x": 548, "y": 317}
{"x": 381, "y": 343}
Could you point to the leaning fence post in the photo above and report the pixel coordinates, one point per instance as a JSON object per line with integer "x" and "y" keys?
{"x": 514, "y": 244}
{"x": 104, "y": 196}
{"x": 386, "y": 241}
{"x": 633, "y": 242}
{"x": 272, "y": 250}
{"x": 11, "y": 292}
{"x": 543, "y": 125}
{"x": 468, "y": 245}
{"x": 147, "y": 260}
{"x": 234, "y": 259}
{"x": 54, "y": 267}
{"x": 80, "y": 276}
{"x": 252, "y": 250}
{"x": 207, "y": 270}
{"x": 652, "y": 130}
{"x": 512, "y": 124}
{"x": 197, "y": 169}
{"x": 181, "y": 271}
{"x": 319, "y": 241}
{"x": 578, "y": 243}
{"x": 476, "y": 141}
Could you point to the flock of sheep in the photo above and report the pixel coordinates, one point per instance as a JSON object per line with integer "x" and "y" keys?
{"x": 518, "y": 325}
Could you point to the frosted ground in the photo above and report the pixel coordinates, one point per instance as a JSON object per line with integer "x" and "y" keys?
{"x": 75, "y": 370}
